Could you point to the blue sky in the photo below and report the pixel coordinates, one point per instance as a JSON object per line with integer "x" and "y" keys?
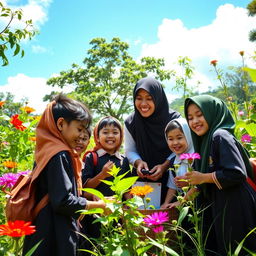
{"x": 202, "y": 30}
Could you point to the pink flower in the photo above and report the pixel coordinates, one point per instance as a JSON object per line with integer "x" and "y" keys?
{"x": 246, "y": 138}
{"x": 8, "y": 180}
{"x": 240, "y": 112}
{"x": 157, "y": 218}
{"x": 189, "y": 156}
{"x": 158, "y": 229}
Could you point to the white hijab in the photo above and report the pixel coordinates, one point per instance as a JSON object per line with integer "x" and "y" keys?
{"x": 190, "y": 149}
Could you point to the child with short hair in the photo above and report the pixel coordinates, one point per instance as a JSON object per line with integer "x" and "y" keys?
{"x": 108, "y": 137}
{"x": 178, "y": 137}
{"x": 60, "y": 136}
{"x": 226, "y": 197}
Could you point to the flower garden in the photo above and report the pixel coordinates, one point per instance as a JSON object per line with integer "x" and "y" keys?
{"x": 125, "y": 229}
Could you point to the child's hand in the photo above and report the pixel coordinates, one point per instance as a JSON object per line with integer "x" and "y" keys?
{"x": 106, "y": 169}
{"x": 181, "y": 181}
{"x": 170, "y": 205}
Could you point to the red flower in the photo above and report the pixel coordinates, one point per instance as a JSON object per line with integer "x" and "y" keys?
{"x": 1, "y": 103}
{"x": 16, "y": 228}
{"x": 17, "y": 123}
{"x": 214, "y": 62}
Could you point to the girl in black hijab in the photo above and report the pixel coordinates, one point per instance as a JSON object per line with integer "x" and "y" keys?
{"x": 145, "y": 143}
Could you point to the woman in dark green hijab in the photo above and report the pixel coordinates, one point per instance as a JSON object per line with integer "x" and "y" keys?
{"x": 221, "y": 175}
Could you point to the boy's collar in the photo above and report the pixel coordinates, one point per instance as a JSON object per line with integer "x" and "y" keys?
{"x": 102, "y": 152}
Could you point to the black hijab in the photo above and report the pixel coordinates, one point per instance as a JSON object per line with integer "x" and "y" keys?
{"x": 148, "y": 132}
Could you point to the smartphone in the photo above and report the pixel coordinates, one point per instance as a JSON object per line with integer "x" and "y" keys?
{"x": 145, "y": 172}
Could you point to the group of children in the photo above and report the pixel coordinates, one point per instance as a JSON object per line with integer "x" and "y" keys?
{"x": 220, "y": 174}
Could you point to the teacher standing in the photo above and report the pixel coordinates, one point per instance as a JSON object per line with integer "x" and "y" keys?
{"x": 145, "y": 143}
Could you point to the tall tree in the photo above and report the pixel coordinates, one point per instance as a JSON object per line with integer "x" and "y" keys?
{"x": 251, "y": 7}
{"x": 106, "y": 80}
{"x": 10, "y": 37}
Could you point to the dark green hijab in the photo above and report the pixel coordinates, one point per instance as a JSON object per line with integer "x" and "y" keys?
{"x": 217, "y": 115}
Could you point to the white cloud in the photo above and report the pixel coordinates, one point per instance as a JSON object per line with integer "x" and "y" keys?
{"x": 32, "y": 88}
{"x": 221, "y": 40}
{"x": 38, "y": 49}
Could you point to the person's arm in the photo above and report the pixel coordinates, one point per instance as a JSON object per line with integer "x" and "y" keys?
{"x": 132, "y": 154}
{"x": 96, "y": 180}
{"x": 169, "y": 196}
{"x": 130, "y": 147}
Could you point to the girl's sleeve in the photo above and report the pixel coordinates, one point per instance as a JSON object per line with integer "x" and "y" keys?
{"x": 62, "y": 186}
{"x": 130, "y": 147}
{"x": 229, "y": 166}
{"x": 88, "y": 170}
{"x": 170, "y": 182}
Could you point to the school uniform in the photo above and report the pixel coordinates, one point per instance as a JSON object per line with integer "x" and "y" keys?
{"x": 232, "y": 201}
{"x": 56, "y": 224}
{"x": 229, "y": 204}
{"x": 90, "y": 171}
{"x": 92, "y": 230}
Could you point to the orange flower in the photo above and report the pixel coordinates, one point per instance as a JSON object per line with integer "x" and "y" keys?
{"x": 2, "y": 103}
{"x": 241, "y": 53}
{"x": 214, "y": 62}
{"x": 16, "y": 228}
{"x": 10, "y": 164}
{"x": 32, "y": 138}
{"x": 28, "y": 110}
{"x": 141, "y": 190}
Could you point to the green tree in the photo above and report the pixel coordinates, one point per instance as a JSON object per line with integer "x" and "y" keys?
{"x": 251, "y": 7}
{"x": 106, "y": 80}
{"x": 10, "y": 37}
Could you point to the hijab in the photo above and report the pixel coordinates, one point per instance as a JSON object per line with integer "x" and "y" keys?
{"x": 217, "y": 116}
{"x": 96, "y": 134}
{"x": 190, "y": 148}
{"x": 49, "y": 142}
{"x": 148, "y": 132}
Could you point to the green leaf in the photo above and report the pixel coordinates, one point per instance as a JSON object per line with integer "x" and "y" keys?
{"x": 30, "y": 252}
{"x": 94, "y": 192}
{"x": 17, "y": 50}
{"x": 251, "y": 129}
{"x": 125, "y": 183}
{"x": 167, "y": 249}
{"x": 251, "y": 72}
{"x": 91, "y": 211}
{"x": 183, "y": 214}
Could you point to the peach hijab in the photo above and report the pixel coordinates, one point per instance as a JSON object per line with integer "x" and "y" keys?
{"x": 49, "y": 142}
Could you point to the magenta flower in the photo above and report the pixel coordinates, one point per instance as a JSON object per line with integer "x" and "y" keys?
{"x": 240, "y": 112}
{"x": 189, "y": 156}
{"x": 246, "y": 138}
{"x": 158, "y": 229}
{"x": 8, "y": 180}
{"x": 157, "y": 218}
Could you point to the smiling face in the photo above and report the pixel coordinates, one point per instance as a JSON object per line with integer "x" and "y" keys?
{"x": 109, "y": 138}
{"x": 144, "y": 103}
{"x": 196, "y": 120}
{"x": 176, "y": 141}
{"x": 74, "y": 133}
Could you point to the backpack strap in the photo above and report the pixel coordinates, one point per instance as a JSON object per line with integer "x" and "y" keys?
{"x": 94, "y": 157}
